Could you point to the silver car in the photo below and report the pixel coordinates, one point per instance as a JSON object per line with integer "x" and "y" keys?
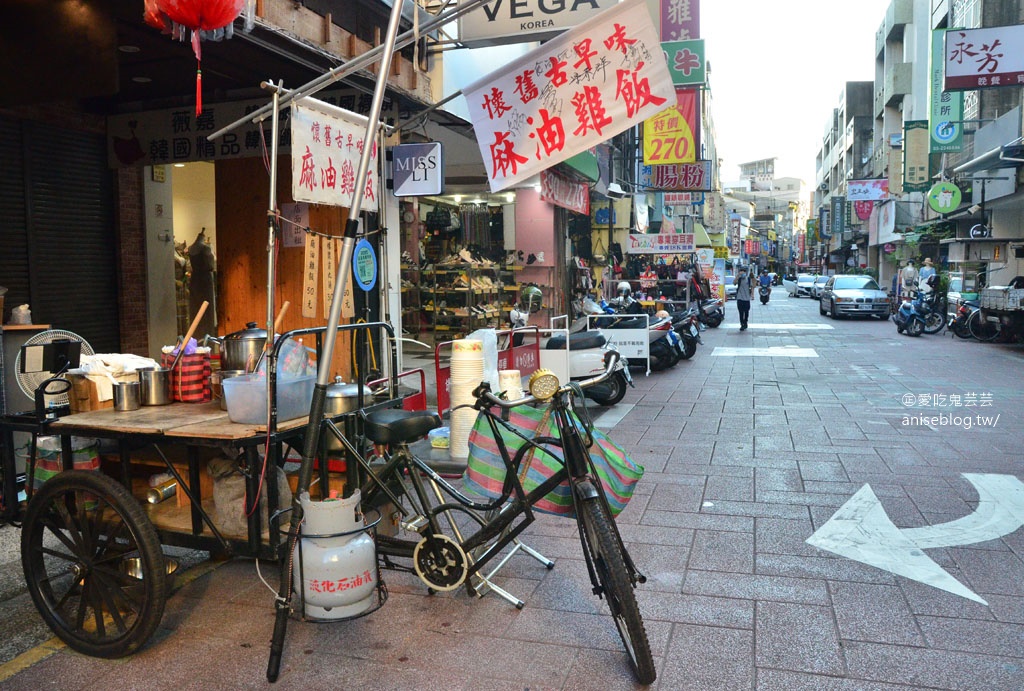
{"x": 853, "y": 295}
{"x": 817, "y": 286}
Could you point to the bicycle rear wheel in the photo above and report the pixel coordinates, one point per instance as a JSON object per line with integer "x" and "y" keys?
{"x": 981, "y": 328}
{"x": 618, "y": 590}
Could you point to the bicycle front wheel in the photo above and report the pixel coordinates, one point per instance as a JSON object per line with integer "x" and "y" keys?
{"x": 981, "y": 328}
{"x": 618, "y": 590}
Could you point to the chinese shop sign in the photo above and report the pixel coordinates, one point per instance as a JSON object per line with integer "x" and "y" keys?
{"x": 570, "y": 94}
{"x": 326, "y": 145}
{"x": 516, "y": 21}
{"x": 867, "y": 190}
{"x": 671, "y": 135}
{"x": 915, "y": 156}
{"x": 978, "y": 58}
{"x": 686, "y": 62}
{"x": 661, "y": 244}
{"x": 677, "y": 177}
{"x": 561, "y": 191}
{"x": 680, "y": 19}
{"x": 947, "y": 107}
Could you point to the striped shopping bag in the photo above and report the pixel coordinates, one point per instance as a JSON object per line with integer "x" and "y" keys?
{"x": 485, "y": 471}
{"x": 190, "y": 380}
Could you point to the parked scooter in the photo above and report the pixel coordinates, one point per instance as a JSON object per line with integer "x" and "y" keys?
{"x": 765, "y": 292}
{"x": 909, "y": 319}
{"x": 712, "y": 312}
{"x": 662, "y": 347}
{"x": 587, "y": 351}
{"x": 959, "y": 322}
{"x": 686, "y": 324}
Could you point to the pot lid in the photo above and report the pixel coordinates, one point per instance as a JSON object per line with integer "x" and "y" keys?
{"x": 250, "y": 333}
{"x": 339, "y": 389}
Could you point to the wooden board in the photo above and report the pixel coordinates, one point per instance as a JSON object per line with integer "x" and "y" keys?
{"x": 146, "y": 420}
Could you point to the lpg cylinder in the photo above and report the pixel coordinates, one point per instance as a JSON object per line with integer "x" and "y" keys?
{"x": 337, "y": 576}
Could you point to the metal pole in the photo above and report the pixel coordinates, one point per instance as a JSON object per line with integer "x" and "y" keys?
{"x": 271, "y": 247}
{"x": 358, "y": 63}
{"x": 311, "y": 440}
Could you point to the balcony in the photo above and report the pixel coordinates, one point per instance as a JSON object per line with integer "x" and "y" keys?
{"x": 898, "y": 82}
{"x": 899, "y": 14}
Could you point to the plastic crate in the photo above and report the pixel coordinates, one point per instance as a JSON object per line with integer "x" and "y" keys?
{"x": 246, "y": 398}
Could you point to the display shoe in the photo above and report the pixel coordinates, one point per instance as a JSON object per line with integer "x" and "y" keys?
{"x": 531, "y": 259}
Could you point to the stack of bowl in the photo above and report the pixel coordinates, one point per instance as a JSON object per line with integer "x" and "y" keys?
{"x": 467, "y": 373}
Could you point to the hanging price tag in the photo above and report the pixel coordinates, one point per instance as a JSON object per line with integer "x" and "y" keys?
{"x": 310, "y": 272}
{"x": 348, "y": 304}
{"x": 330, "y": 253}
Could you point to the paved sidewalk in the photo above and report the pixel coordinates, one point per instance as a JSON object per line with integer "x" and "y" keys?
{"x": 748, "y": 453}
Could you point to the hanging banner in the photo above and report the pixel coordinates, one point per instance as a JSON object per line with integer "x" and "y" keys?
{"x": 680, "y": 20}
{"x": 328, "y": 250}
{"x": 678, "y": 243}
{"x": 838, "y": 216}
{"x": 326, "y": 145}
{"x": 947, "y": 107}
{"x": 561, "y": 191}
{"x": 677, "y": 177}
{"x": 671, "y": 135}
{"x": 570, "y": 94}
{"x": 867, "y": 190}
{"x": 978, "y": 58}
{"x": 310, "y": 273}
{"x": 915, "y": 156}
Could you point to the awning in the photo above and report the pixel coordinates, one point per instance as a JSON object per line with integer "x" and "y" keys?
{"x": 1006, "y": 156}
{"x": 700, "y": 236}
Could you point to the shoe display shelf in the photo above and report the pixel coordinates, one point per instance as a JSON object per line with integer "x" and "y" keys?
{"x": 459, "y": 298}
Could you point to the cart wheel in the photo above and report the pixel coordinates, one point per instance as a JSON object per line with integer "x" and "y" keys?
{"x": 93, "y": 564}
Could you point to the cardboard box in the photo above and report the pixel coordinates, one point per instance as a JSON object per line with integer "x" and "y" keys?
{"x": 84, "y": 395}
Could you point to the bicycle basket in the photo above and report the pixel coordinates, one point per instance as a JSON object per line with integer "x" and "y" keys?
{"x": 485, "y": 471}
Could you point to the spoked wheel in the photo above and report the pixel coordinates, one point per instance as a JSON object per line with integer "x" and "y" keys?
{"x": 93, "y": 564}
{"x": 960, "y": 328}
{"x": 981, "y": 328}
{"x": 618, "y": 590}
{"x": 915, "y": 327}
{"x": 934, "y": 322}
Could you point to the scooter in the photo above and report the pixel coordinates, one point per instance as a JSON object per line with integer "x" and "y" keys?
{"x": 909, "y": 319}
{"x": 662, "y": 348}
{"x": 587, "y": 351}
{"x": 765, "y": 292}
{"x": 685, "y": 324}
{"x": 958, "y": 322}
{"x": 712, "y": 312}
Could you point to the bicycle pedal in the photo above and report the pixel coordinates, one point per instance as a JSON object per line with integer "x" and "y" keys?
{"x": 415, "y": 524}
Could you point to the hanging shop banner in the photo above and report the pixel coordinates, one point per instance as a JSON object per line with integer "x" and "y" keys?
{"x": 329, "y": 252}
{"x": 570, "y": 94}
{"x": 680, "y": 20}
{"x": 867, "y": 190}
{"x": 838, "y": 215}
{"x": 417, "y": 170}
{"x": 310, "y": 274}
{"x": 677, "y": 177}
{"x": 979, "y": 58}
{"x": 944, "y": 197}
{"x": 686, "y": 62}
{"x": 947, "y": 107}
{"x": 561, "y": 191}
{"x": 915, "y": 156}
{"x": 294, "y": 222}
{"x": 519, "y": 21}
{"x": 326, "y": 145}
{"x": 671, "y": 135}
{"x": 660, "y": 244}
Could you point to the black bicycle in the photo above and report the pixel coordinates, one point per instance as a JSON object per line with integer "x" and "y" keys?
{"x": 442, "y": 561}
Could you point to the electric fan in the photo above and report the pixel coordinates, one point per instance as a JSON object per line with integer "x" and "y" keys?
{"x": 30, "y": 381}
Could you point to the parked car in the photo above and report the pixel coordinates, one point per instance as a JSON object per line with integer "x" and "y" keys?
{"x": 816, "y": 287}
{"x": 853, "y": 295}
{"x": 730, "y": 289}
{"x": 802, "y": 287}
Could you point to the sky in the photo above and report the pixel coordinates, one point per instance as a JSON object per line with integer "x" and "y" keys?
{"x": 777, "y": 69}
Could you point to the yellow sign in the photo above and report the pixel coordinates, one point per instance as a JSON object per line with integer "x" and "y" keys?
{"x": 668, "y": 139}
{"x": 721, "y": 253}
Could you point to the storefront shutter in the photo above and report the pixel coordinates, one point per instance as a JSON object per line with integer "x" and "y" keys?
{"x": 13, "y": 229}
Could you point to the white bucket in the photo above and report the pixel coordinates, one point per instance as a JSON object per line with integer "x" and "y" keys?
{"x": 336, "y": 576}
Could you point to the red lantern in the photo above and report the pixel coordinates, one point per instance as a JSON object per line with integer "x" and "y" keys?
{"x": 197, "y": 15}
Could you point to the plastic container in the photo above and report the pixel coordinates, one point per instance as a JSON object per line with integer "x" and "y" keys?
{"x": 246, "y": 397}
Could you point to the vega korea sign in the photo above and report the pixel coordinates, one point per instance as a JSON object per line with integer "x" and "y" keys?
{"x": 977, "y": 58}
{"x": 327, "y": 143}
{"x": 518, "y": 21}
{"x": 570, "y": 94}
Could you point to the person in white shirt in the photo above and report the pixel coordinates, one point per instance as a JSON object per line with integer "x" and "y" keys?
{"x": 908, "y": 280}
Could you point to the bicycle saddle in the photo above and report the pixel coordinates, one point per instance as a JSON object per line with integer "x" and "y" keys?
{"x": 395, "y": 426}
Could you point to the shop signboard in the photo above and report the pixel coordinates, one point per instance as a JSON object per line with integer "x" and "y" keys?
{"x": 980, "y": 58}
{"x": 944, "y": 197}
{"x": 676, "y": 243}
{"x": 417, "y": 170}
{"x": 672, "y": 136}
{"x": 838, "y": 215}
{"x": 867, "y": 190}
{"x": 517, "y": 21}
{"x": 680, "y": 19}
{"x": 686, "y": 62}
{"x": 677, "y": 177}
{"x": 946, "y": 109}
{"x": 327, "y": 143}
{"x": 915, "y": 156}
{"x": 561, "y": 191}
{"x": 571, "y": 93}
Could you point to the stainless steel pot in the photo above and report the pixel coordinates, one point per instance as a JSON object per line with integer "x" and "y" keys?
{"x": 217, "y": 383}
{"x": 126, "y": 396}
{"x": 341, "y": 398}
{"x": 155, "y": 386}
{"x": 241, "y": 350}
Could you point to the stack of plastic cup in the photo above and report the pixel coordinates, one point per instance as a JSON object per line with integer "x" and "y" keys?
{"x": 467, "y": 373}
{"x": 511, "y": 382}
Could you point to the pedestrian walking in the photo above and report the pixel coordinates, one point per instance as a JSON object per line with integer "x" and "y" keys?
{"x": 743, "y": 282}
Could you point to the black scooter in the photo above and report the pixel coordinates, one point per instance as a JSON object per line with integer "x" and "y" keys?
{"x": 765, "y": 293}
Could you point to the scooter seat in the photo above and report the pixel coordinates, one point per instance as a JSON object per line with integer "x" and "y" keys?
{"x": 394, "y": 426}
{"x": 584, "y": 340}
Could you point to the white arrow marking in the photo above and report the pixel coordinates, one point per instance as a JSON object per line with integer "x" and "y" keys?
{"x": 861, "y": 530}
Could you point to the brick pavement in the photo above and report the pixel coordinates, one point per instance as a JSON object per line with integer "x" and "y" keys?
{"x": 746, "y": 458}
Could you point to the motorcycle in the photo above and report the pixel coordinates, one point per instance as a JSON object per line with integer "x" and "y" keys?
{"x": 712, "y": 313}
{"x": 909, "y": 319}
{"x": 933, "y": 309}
{"x": 959, "y": 322}
{"x": 686, "y": 325}
{"x": 662, "y": 348}
{"x": 765, "y": 292}
{"x": 587, "y": 351}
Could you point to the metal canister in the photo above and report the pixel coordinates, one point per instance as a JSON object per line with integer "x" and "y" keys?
{"x": 164, "y": 490}
{"x": 155, "y": 385}
{"x": 341, "y": 398}
{"x": 126, "y": 396}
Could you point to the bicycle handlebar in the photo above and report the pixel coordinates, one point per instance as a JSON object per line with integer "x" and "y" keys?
{"x": 486, "y": 399}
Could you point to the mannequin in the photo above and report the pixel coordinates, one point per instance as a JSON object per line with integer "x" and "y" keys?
{"x": 204, "y": 283}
